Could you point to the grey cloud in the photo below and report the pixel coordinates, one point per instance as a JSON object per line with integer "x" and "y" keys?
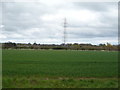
{"x": 18, "y": 16}
{"x": 95, "y": 6}
{"x": 91, "y": 33}
{"x": 15, "y": 16}
{"x": 22, "y": 19}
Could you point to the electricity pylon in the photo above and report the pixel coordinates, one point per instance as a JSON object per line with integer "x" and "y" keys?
{"x": 65, "y": 26}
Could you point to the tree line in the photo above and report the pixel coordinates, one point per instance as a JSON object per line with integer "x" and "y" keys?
{"x": 75, "y": 46}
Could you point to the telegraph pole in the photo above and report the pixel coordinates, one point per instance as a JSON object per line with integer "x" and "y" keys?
{"x": 65, "y": 26}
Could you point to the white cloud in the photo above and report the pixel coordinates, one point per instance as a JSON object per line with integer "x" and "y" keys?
{"x": 2, "y": 36}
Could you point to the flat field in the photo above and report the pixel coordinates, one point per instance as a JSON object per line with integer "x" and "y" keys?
{"x": 60, "y": 69}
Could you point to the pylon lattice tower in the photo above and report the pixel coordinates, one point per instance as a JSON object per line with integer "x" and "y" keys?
{"x": 65, "y": 26}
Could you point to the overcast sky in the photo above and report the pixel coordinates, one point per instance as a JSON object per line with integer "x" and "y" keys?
{"x": 42, "y": 22}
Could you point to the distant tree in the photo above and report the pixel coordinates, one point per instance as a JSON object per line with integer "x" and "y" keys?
{"x": 29, "y": 43}
{"x": 9, "y": 45}
{"x": 102, "y": 45}
{"x": 109, "y": 46}
{"x": 75, "y": 44}
{"x": 34, "y": 43}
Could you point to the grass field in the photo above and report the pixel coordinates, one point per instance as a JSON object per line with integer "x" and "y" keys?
{"x": 60, "y": 68}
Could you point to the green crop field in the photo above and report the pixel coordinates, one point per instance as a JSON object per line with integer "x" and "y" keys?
{"x": 60, "y": 68}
